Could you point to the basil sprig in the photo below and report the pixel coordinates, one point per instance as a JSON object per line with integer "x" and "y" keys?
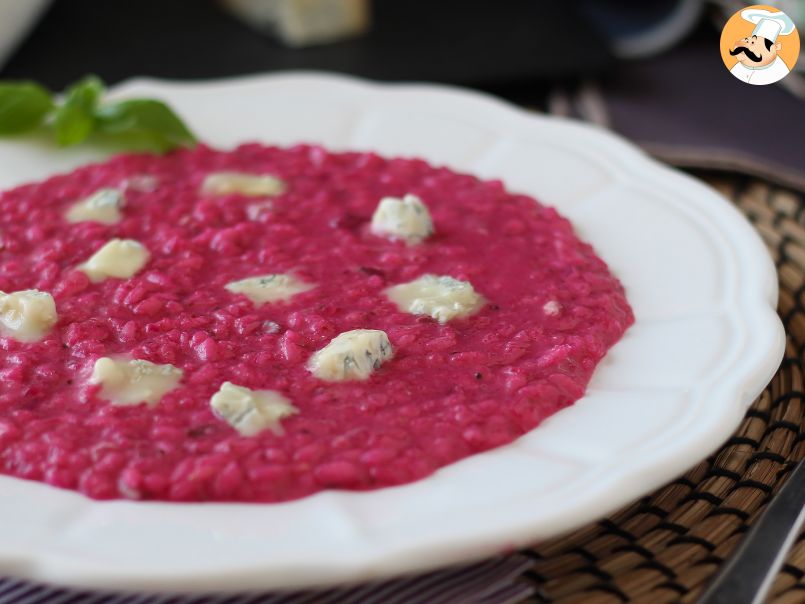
{"x": 81, "y": 113}
{"x": 23, "y": 107}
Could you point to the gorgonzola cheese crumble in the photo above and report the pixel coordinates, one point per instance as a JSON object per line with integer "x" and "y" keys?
{"x": 407, "y": 219}
{"x": 251, "y": 411}
{"x": 251, "y": 185}
{"x": 118, "y": 258}
{"x": 552, "y": 308}
{"x": 142, "y": 183}
{"x": 27, "y": 315}
{"x": 440, "y": 297}
{"x": 300, "y": 23}
{"x": 269, "y": 288}
{"x": 352, "y": 355}
{"x": 102, "y": 206}
{"x": 131, "y": 381}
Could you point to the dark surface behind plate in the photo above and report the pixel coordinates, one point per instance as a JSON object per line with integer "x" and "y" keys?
{"x": 456, "y": 41}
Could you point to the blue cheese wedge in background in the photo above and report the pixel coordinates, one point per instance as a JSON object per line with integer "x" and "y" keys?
{"x": 241, "y": 183}
{"x": 102, "y": 206}
{"x": 352, "y": 355}
{"x": 407, "y": 219}
{"x": 251, "y": 411}
{"x": 440, "y": 297}
{"x": 269, "y": 288}
{"x": 126, "y": 381}
{"x": 118, "y": 258}
{"x": 27, "y": 315}
{"x": 304, "y": 22}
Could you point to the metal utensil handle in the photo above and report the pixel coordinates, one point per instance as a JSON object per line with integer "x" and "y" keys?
{"x": 748, "y": 575}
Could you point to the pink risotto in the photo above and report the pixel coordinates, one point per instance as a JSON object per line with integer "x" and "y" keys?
{"x": 552, "y": 309}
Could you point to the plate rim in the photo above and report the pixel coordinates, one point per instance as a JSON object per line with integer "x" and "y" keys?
{"x": 757, "y": 366}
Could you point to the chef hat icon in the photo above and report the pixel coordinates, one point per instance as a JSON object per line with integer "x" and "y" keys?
{"x": 768, "y": 25}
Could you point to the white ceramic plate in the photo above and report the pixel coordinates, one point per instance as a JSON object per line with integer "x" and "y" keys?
{"x": 706, "y": 341}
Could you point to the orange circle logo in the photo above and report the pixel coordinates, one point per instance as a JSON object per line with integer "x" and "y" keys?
{"x": 760, "y": 45}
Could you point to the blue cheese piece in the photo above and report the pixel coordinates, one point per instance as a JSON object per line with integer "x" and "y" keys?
{"x": 118, "y": 258}
{"x": 440, "y": 297}
{"x": 552, "y": 308}
{"x": 407, "y": 219}
{"x": 269, "y": 288}
{"x": 251, "y": 411}
{"x": 352, "y": 355}
{"x": 102, "y": 206}
{"x": 141, "y": 183}
{"x": 241, "y": 183}
{"x": 27, "y": 315}
{"x": 305, "y": 22}
{"x": 126, "y": 381}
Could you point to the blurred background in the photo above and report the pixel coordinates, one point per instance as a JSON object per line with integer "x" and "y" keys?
{"x": 649, "y": 70}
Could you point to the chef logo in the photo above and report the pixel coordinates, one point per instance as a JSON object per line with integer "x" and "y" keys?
{"x": 759, "y": 45}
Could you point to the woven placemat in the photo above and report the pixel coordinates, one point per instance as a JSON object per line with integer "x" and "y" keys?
{"x": 668, "y": 545}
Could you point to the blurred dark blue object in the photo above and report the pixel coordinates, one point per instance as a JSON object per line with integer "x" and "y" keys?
{"x": 635, "y": 28}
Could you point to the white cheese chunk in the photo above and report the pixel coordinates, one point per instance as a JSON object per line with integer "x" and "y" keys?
{"x": 251, "y": 185}
{"x": 269, "y": 288}
{"x": 407, "y": 219}
{"x": 131, "y": 381}
{"x": 552, "y": 308}
{"x": 27, "y": 315}
{"x": 102, "y": 206}
{"x": 440, "y": 297}
{"x": 141, "y": 183}
{"x": 119, "y": 258}
{"x": 251, "y": 411}
{"x": 352, "y": 355}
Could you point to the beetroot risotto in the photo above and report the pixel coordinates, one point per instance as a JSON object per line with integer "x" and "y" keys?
{"x": 266, "y": 323}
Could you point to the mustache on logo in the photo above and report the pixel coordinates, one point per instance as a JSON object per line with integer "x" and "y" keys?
{"x": 743, "y": 49}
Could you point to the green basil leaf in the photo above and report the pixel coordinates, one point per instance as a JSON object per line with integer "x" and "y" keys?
{"x": 72, "y": 125}
{"x": 149, "y": 120}
{"x": 136, "y": 124}
{"x": 74, "y": 120}
{"x": 23, "y": 106}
